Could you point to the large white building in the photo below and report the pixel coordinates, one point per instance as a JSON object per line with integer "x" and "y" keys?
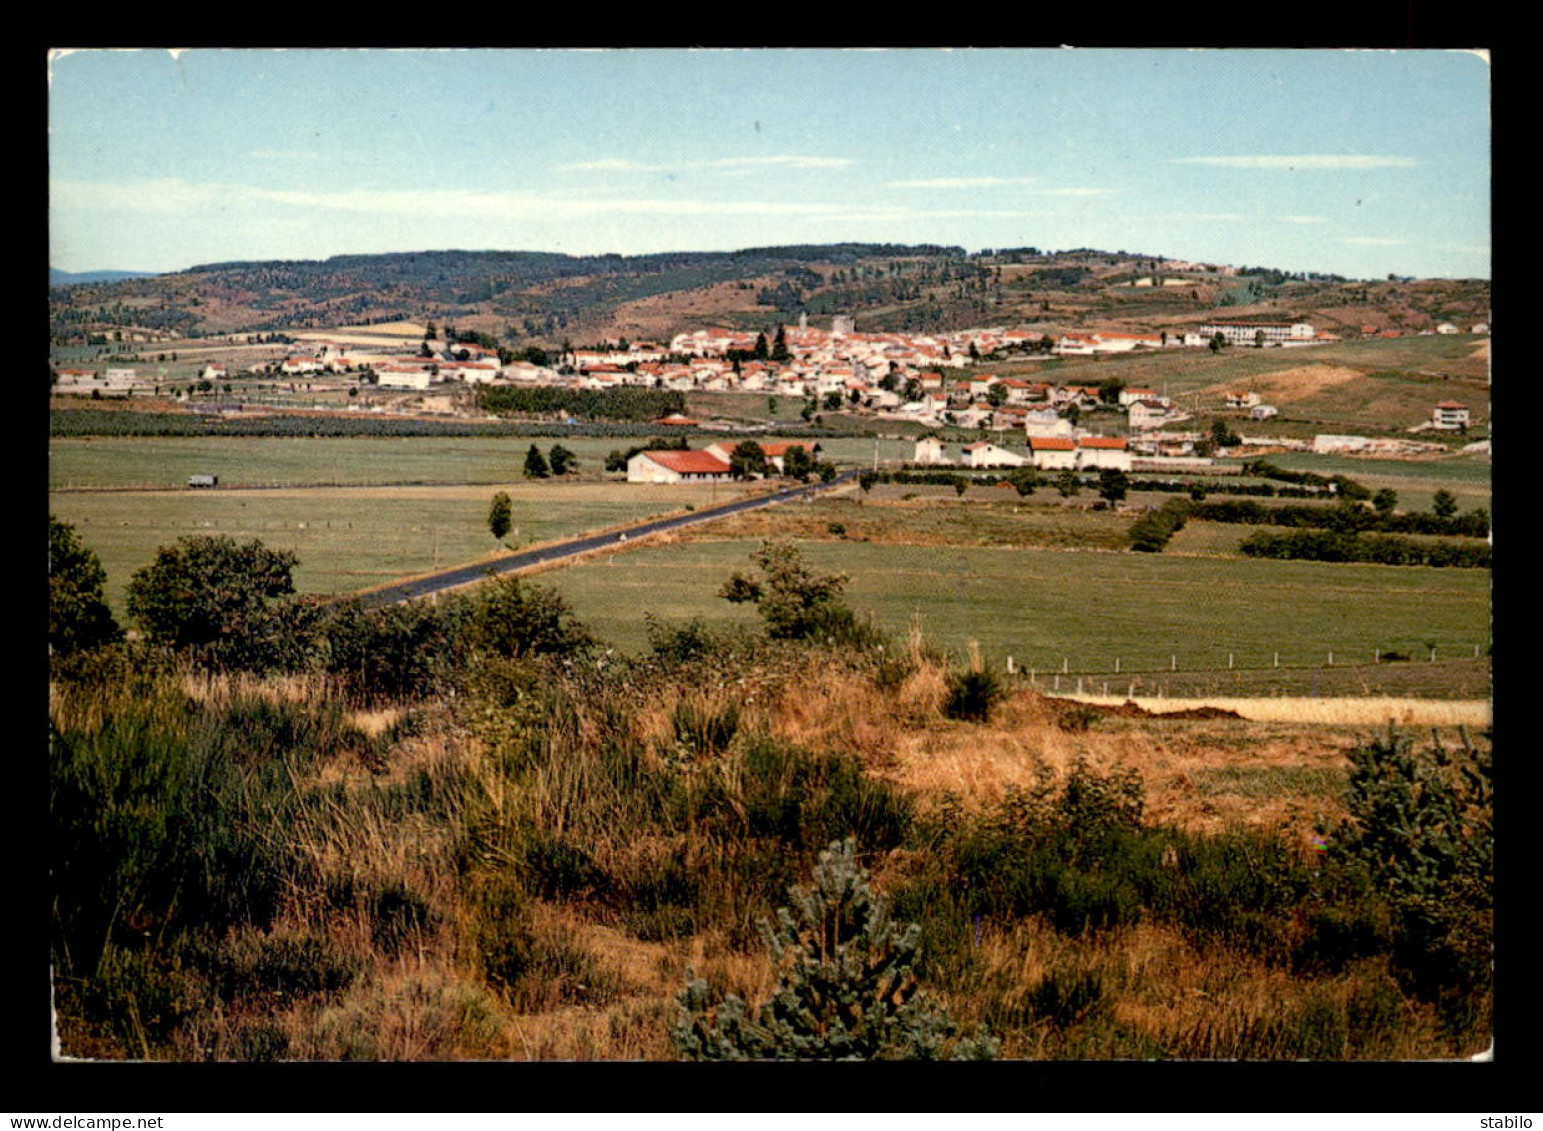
{"x": 1259, "y": 333}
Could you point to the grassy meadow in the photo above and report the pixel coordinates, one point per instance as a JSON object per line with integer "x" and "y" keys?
{"x": 1081, "y": 611}
{"x": 354, "y": 538}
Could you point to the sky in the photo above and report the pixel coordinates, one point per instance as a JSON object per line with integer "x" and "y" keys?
{"x": 1357, "y": 163}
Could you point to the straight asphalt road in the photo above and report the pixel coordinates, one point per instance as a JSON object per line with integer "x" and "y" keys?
{"x": 524, "y": 559}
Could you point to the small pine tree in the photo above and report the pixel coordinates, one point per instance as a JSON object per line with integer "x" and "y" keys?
{"x": 535, "y": 464}
{"x": 501, "y": 515}
{"x": 846, "y": 987}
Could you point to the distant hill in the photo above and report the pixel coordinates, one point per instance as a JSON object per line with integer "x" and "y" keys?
{"x": 58, "y": 278}
{"x": 537, "y": 298}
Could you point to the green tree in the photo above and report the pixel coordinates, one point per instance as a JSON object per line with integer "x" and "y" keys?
{"x": 501, "y": 516}
{"x": 78, "y": 615}
{"x": 847, "y": 985}
{"x": 562, "y": 461}
{"x": 1113, "y": 484}
{"x": 535, "y": 464}
{"x": 1223, "y": 436}
{"x": 793, "y": 600}
{"x": 833, "y": 401}
{"x": 1067, "y": 483}
{"x": 1444, "y": 504}
{"x": 210, "y": 592}
{"x": 1385, "y": 500}
{"x": 1024, "y": 480}
{"x": 798, "y": 463}
{"x": 779, "y": 350}
{"x": 996, "y": 395}
{"x": 514, "y": 619}
{"x": 748, "y": 460}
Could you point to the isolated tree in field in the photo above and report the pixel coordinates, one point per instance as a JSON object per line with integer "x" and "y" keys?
{"x": 78, "y": 615}
{"x": 748, "y": 460}
{"x": 1444, "y": 504}
{"x": 208, "y": 590}
{"x": 1385, "y": 500}
{"x": 1024, "y": 480}
{"x": 535, "y": 464}
{"x": 562, "y": 461}
{"x": 1068, "y": 484}
{"x": 1113, "y": 484}
{"x": 794, "y": 600}
{"x": 501, "y": 516}
{"x": 847, "y": 985}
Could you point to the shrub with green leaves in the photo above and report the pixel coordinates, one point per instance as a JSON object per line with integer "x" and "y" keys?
{"x": 1421, "y": 829}
{"x": 846, "y": 987}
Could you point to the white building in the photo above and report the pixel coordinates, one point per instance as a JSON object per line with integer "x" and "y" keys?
{"x": 1053, "y": 453}
{"x": 984, "y": 454}
{"x": 1259, "y": 333}
{"x": 1104, "y": 452}
{"x": 676, "y": 466}
{"x": 403, "y": 377}
{"x": 1450, "y": 414}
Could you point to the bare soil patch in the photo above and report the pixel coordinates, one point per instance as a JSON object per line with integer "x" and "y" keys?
{"x": 1290, "y": 385}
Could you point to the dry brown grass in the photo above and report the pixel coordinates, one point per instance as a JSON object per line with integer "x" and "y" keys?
{"x": 1289, "y": 385}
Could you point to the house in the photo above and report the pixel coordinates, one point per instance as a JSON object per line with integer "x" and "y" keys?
{"x": 1046, "y": 422}
{"x": 214, "y": 371}
{"x": 1262, "y": 411}
{"x": 1150, "y": 414}
{"x": 1450, "y": 414}
{"x": 676, "y": 420}
{"x": 1053, "y": 453}
{"x": 1104, "y": 451}
{"x": 1447, "y": 328}
{"x": 1242, "y": 400}
{"x": 676, "y": 466}
{"x": 1134, "y": 393}
{"x": 984, "y": 454}
{"x": 403, "y": 377}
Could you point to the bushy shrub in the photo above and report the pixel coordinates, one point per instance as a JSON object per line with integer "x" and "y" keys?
{"x": 972, "y": 694}
{"x": 1421, "y": 829}
{"x": 78, "y": 615}
{"x": 846, "y": 987}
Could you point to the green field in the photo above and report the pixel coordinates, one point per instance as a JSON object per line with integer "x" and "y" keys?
{"x": 1081, "y": 610}
{"x": 269, "y": 461}
{"x": 349, "y": 539}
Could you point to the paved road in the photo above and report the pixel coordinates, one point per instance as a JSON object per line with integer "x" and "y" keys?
{"x": 524, "y": 559}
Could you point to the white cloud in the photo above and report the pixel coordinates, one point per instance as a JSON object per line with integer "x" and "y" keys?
{"x": 1373, "y": 241}
{"x": 1304, "y": 161}
{"x": 628, "y": 165}
{"x": 961, "y": 182}
{"x": 993, "y": 182}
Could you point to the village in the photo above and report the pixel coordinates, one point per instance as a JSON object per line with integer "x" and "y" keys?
{"x": 907, "y": 379}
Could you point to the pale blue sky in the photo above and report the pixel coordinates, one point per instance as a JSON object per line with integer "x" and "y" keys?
{"x": 1359, "y": 163}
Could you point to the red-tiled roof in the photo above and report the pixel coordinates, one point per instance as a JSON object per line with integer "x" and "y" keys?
{"x": 689, "y": 463}
{"x": 1111, "y": 443}
{"x": 782, "y": 447}
{"x": 1052, "y": 443}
